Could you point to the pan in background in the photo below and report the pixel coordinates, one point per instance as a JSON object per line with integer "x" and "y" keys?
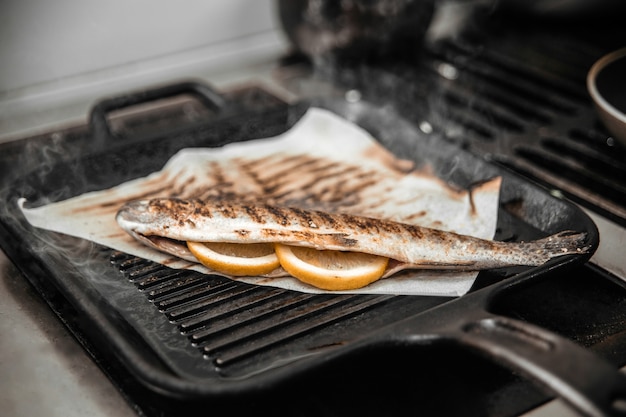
{"x": 606, "y": 83}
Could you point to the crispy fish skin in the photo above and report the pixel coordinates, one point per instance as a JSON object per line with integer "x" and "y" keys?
{"x": 162, "y": 223}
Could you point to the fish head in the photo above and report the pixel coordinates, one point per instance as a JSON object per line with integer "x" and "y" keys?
{"x": 155, "y": 216}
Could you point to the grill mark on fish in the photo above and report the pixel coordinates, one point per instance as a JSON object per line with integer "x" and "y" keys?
{"x": 228, "y": 211}
{"x": 200, "y": 211}
{"x": 327, "y": 219}
{"x": 254, "y": 213}
{"x": 278, "y": 214}
{"x": 304, "y": 217}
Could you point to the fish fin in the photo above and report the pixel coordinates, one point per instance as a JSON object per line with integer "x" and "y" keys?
{"x": 567, "y": 242}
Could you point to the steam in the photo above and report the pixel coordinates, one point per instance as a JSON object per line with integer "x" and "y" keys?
{"x": 34, "y": 180}
{"x": 421, "y": 89}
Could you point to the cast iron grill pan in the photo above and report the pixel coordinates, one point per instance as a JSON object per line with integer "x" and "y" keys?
{"x": 195, "y": 336}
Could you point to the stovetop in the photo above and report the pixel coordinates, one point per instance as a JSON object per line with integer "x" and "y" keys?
{"x": 551, "y": 137}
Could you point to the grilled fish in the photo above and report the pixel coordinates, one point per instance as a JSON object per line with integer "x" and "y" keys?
{"x": 166, "y": 224}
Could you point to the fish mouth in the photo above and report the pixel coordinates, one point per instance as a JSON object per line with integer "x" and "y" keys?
{"x": 133, "y": 212}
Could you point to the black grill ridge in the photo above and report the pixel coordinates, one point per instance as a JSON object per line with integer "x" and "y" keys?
{"x": 228, "y": 321}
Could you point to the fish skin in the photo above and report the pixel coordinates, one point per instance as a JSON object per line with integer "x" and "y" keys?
{"x": 413, "y": 247}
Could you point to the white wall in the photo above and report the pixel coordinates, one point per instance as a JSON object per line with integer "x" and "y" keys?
{"x": 42, "y": 41}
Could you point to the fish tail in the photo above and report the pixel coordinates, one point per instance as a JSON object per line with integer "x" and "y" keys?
{"x": 566, "y": 242}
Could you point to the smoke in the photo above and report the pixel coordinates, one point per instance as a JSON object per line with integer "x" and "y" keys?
{"x": 39, "y": 171}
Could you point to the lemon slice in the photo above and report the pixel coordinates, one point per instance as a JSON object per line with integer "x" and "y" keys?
{"x": 330, "y": 269}
{"x": 236, "y": 259}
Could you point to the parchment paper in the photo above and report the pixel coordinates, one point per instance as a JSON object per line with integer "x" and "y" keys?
{"x": 323, "y": 162}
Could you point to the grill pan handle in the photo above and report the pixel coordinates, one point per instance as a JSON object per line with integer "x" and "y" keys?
{"x": 98, "y": 117}
{"x": 584, "y": 380}
{"x": 591, "y": 385}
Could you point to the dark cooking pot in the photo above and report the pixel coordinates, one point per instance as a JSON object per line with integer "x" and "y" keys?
{"x": 366, "y": 30}
{"x": 562, "y": 9}
{"x": 356, "y": 29}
